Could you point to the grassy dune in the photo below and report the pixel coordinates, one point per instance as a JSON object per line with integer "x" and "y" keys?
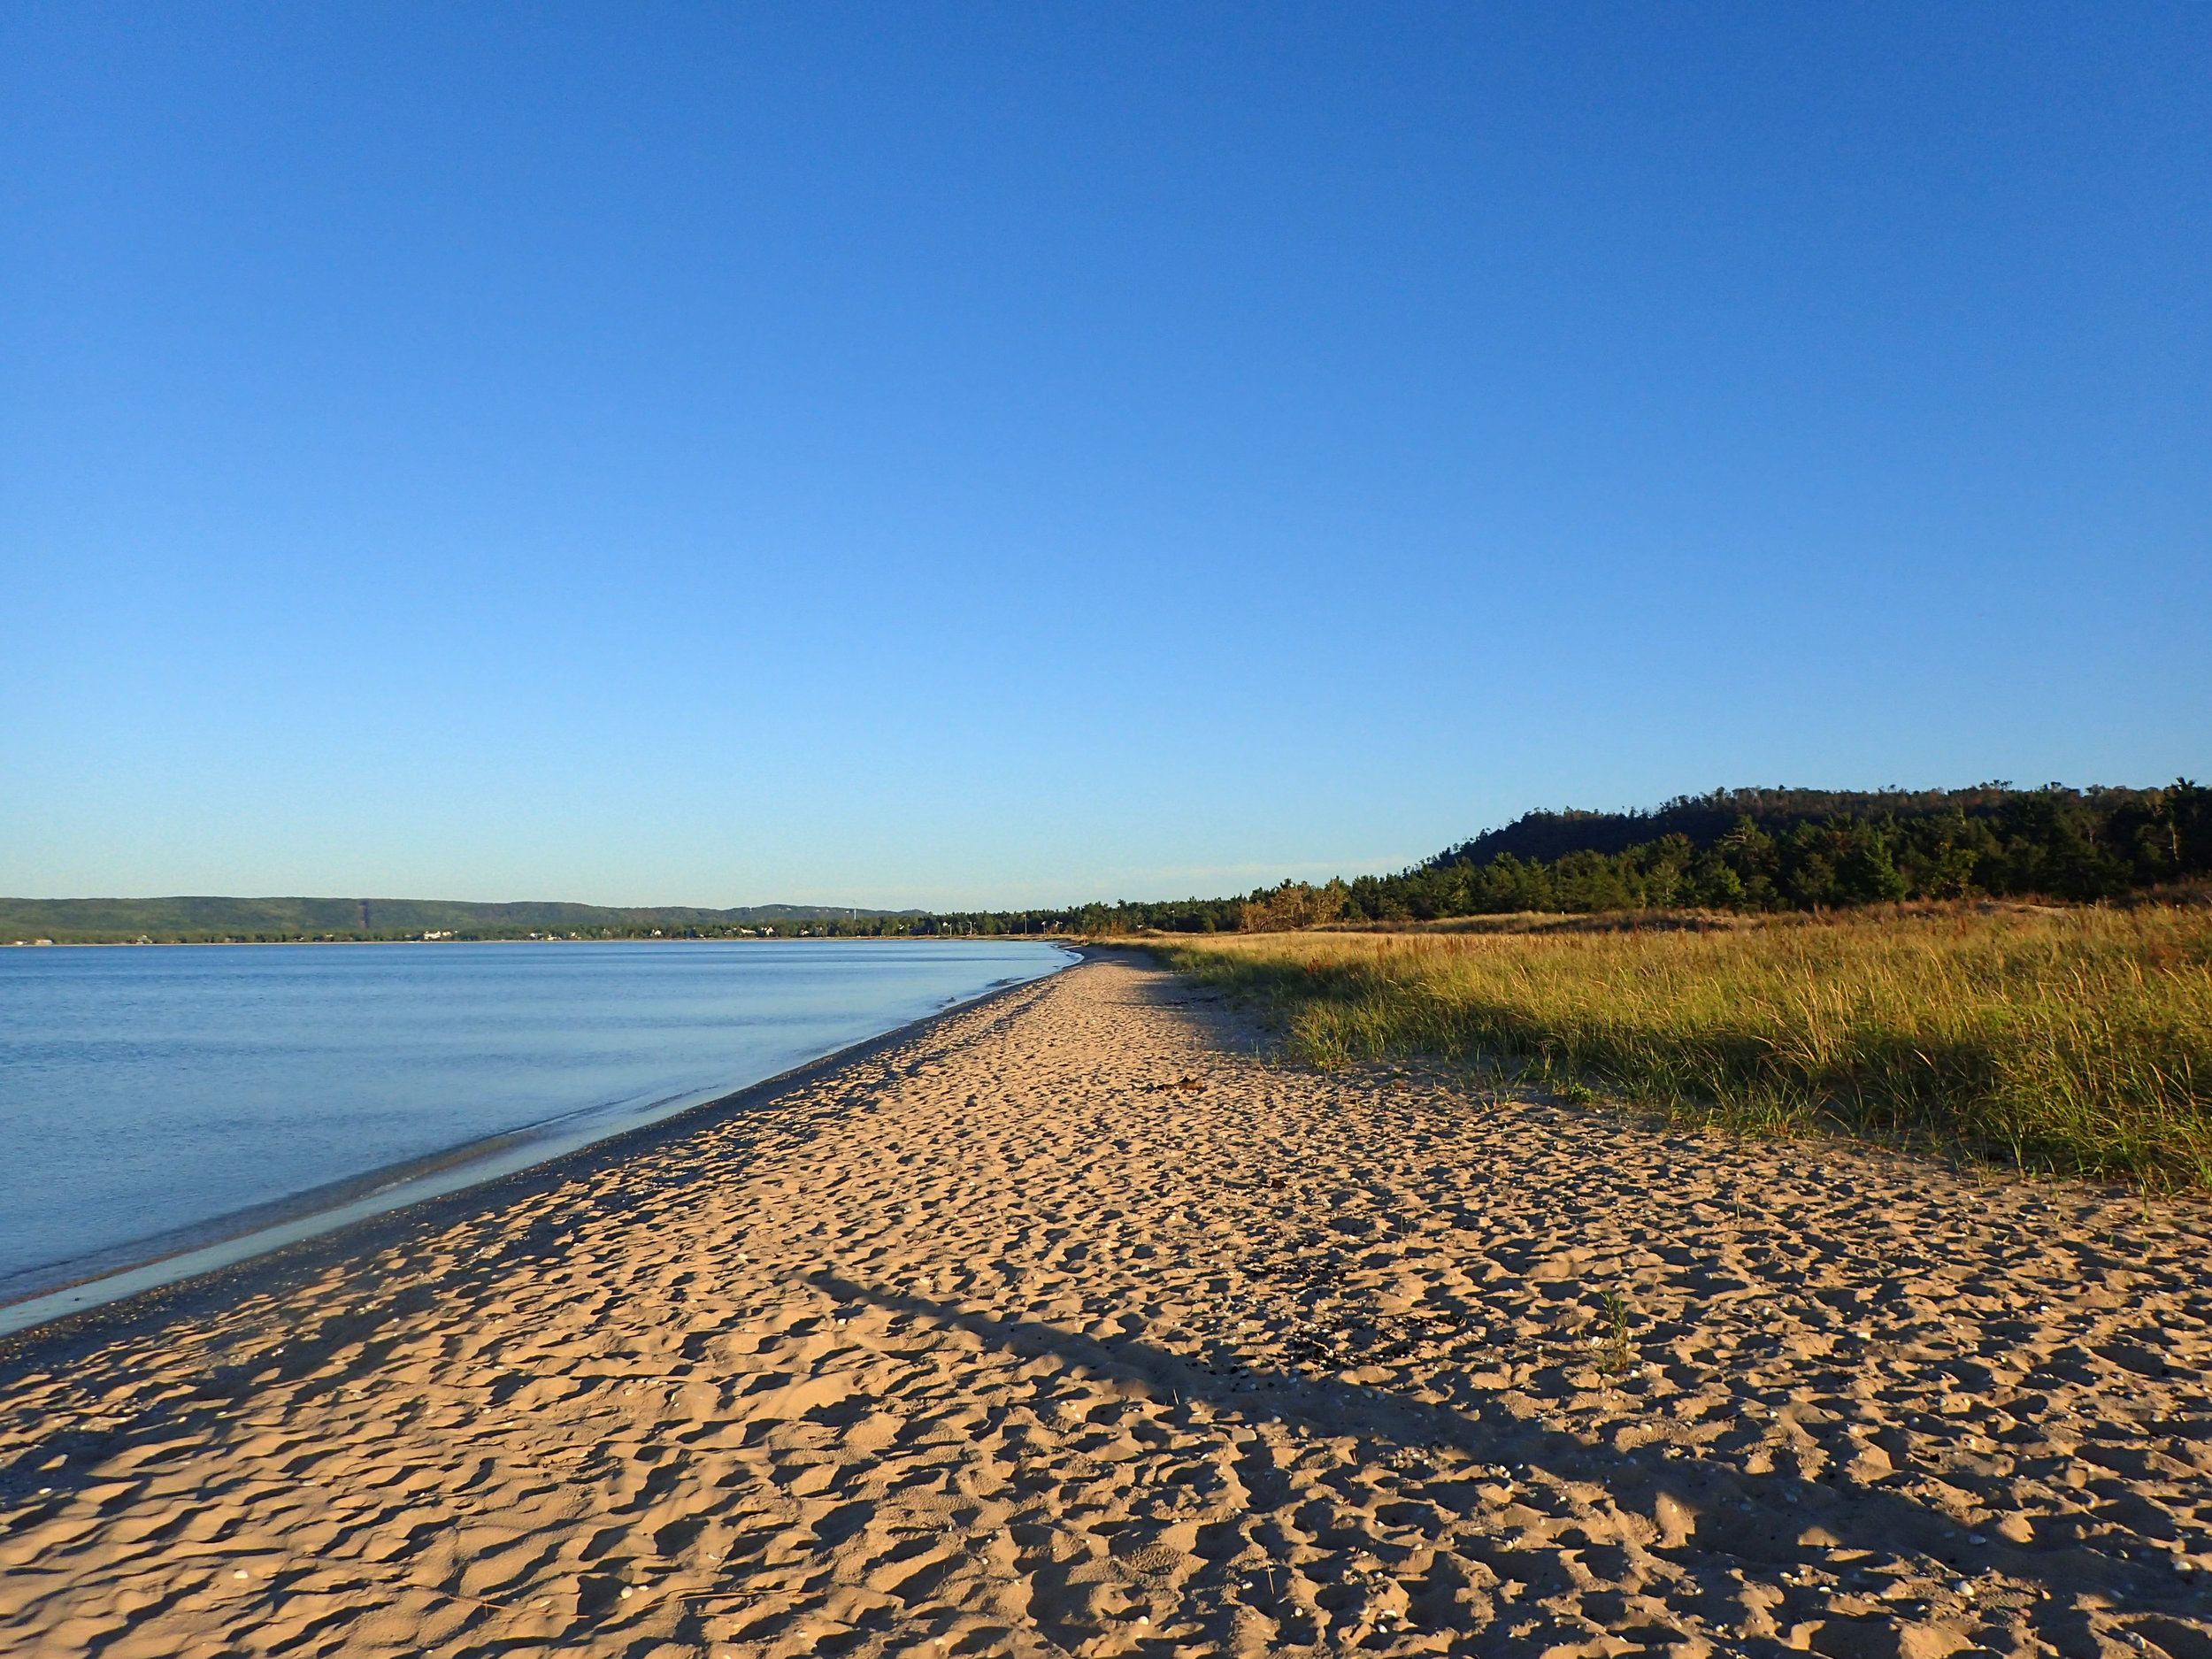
{"x": 2076, "y": 1042}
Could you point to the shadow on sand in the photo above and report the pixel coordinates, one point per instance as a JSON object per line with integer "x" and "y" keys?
{"x": 1709, "y": 1521}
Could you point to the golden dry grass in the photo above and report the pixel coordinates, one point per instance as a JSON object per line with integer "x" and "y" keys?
{"x": 2074, "y": 1042}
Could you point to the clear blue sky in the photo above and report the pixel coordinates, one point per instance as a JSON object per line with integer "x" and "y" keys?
{"x": 955, "y": 454}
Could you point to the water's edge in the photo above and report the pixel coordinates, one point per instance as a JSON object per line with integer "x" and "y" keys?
{"x": 149, "y": 1267}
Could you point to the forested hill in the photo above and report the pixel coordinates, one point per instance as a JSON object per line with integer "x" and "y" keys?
{"x": 1769, "y": 849}
{"x": 1756, "y": 850}
{"x": 200, "y": 920}
{"x": 1542, "y": 836}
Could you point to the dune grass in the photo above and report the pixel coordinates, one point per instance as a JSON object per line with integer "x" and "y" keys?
{"x": 2075, "y": 1042}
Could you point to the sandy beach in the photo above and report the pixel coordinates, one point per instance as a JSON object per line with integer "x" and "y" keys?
{"x": 1070, "y": 1324}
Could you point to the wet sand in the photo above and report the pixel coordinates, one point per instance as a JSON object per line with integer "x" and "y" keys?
{"x": 1070, "y": 1324}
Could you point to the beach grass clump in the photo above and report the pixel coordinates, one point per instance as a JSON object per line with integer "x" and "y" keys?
{"x": 2070, "y": 1041}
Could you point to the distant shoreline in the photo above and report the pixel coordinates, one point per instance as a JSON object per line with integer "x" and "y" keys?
{"x": 704, "y": 939}
{"x": 182, "y": 919}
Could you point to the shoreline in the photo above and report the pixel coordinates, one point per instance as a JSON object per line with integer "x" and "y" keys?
{"x": 327, "y": 1212}
{"x": 625, "y": 939}
{"x": 1068, "y": 1325}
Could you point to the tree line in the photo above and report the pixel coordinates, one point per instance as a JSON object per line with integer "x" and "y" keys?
{"x": 1742, "y": 849}
{"x": 1769, "y": 849}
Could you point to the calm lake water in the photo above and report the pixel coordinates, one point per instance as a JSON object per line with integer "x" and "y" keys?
{"x": 147, "y": 1092}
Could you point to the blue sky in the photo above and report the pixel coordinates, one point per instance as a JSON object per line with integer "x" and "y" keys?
{"x": 947, "y": 455}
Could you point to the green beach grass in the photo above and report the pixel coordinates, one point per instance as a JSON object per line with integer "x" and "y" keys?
{"x": 2073, "y": 1042}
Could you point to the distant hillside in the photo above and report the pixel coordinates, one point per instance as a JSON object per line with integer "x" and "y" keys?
{"x": 1766, "y": 850}
{"x": 203, "y": 920}
{"x": 1541, "y": 836}
{"x": 1754, "y": 849}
